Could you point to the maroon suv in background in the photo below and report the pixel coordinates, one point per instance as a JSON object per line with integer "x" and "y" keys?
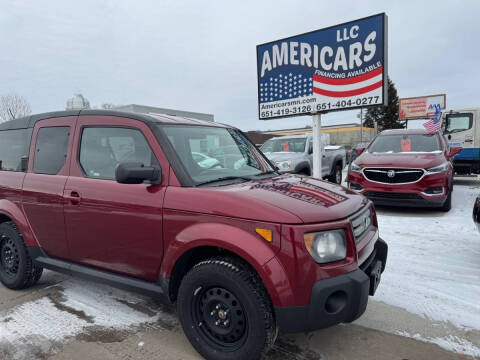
{"x": 405, "y": 168}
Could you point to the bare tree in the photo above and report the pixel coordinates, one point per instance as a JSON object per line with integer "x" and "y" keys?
{"x": 13, "y": 106}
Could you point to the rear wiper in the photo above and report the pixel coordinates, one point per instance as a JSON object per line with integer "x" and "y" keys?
{"x": 246, "y": 178}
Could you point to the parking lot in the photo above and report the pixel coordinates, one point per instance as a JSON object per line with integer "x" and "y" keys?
{"x": 427, "y": 307}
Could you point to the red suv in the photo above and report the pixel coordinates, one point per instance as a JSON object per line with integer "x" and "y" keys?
{"x": 405, "y": 168}
{"x": 243, "y": 251}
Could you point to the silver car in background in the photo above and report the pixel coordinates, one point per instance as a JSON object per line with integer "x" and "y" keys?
{"x": 294, "y": 154}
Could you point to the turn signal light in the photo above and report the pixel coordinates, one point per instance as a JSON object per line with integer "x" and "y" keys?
{"x": 265, "y": 233}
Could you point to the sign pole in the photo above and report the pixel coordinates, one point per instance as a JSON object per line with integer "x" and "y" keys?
{"x": 317, "y": 145}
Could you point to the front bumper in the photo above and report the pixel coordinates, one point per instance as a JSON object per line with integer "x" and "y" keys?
{"x": 336, "y": 300}
{"x": 412, "y": 194}
{"x": 404, "y": 199}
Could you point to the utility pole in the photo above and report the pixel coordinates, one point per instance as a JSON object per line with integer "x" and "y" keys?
{"x": 361, "y": 124}
{"x": 317, "y": 146}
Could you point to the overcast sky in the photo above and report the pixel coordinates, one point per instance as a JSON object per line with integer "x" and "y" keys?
{"x": 200, "y": 55}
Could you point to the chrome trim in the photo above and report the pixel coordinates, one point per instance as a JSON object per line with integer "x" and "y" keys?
{"x": 360, "y": 214}
{"x": 407, "y": 170}
{"x": 443, "y": 193}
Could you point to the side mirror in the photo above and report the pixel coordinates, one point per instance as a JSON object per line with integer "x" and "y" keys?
{"x": 137, "y": 173}
{"x": 454, "y": 150}
{"x": 359, "y": 150}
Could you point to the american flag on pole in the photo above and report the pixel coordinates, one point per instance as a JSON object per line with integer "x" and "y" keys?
{"x": 433, "y": 125}
{"x": 347, "y": 87}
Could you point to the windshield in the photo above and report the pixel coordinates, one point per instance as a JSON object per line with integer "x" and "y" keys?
{"x": 405, "y": 143}
{"x": 284, "y": 145}
{"x": 210, "y": 153}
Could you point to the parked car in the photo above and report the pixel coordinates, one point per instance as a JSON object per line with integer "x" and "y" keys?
{"x": 204, "y": 161}
{"x": 294, "y": 154}
{"x": 119, "y": 198}
{"x": 476, "y": 212}
{"x": 405, "y": 168}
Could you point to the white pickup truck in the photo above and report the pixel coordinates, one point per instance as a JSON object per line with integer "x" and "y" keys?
{"x": 294, "y": 154}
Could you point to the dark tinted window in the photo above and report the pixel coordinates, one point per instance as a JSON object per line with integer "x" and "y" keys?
{"x": 103, "y": 148}
{"x": 14, "y": 144}
{"x": 51, "y": 150}
{"x": 405, "y": 143}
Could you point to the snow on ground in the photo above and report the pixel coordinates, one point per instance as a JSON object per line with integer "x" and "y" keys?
{"x": 72, "y": 308}
{"x": 433, "y": 266}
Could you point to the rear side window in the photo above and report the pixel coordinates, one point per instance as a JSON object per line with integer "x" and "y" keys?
{"x": 14, "y": 144}
{"x": 103, "y": 148}
{"x": 51, "y": 149}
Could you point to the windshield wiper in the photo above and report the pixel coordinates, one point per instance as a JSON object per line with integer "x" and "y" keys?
{"x": 267, "y": 173}
{"x": 225, "y": 178}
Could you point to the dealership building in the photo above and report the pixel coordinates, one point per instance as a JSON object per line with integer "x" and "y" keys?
{"x": 344, "y": 134}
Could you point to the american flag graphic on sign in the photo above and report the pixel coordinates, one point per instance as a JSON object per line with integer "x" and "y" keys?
{"x": 285, "y": 86}
{"x": 346, "y": 87}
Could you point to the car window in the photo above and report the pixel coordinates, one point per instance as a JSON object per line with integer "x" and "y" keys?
{"x": 458, "y": 122}
{"x": 208, "y": 153}
{"x": 14, "y": 144}
{"x": 51, "y": 149}
{"x": 405, "y": 143}
{"x": 103, "y": 148}
{"x": 284, "y": 145}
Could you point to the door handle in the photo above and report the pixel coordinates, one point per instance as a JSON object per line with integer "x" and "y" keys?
{"x": 72, "y": 196}
{"x": 468, "y": 140}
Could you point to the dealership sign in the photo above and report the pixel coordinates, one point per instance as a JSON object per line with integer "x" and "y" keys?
{"x": 337, "y": 68}
{"x": 420, "y": 107}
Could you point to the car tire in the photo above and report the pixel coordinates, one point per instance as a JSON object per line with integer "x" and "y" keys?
{"x": 225, "y": 311}
{"x": 447, "y": 205}
{"x": 17, "y": 270}
{"x": 336, "y": 176}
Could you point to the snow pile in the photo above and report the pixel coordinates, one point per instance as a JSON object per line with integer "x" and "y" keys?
{"x": 433, "y": 266}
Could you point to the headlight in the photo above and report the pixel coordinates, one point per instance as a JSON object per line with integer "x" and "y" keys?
{"x": 284, "y": 165}
{"x": 355, "y": 167}
{"x": 438, "y": 169}
{"x": 326, "y": 246}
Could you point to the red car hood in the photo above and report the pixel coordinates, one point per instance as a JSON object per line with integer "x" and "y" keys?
{"x": 282, "y": 199}
{"x": 400, "y": 160}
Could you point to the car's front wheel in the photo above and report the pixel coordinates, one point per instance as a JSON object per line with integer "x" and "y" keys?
{"x": 447, "y": 205}
{"x": 336, "y": 176}
{"x": 225, "y": 310}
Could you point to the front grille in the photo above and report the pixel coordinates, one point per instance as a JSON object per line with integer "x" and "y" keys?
{"x": 392, "y": 195}
{"x": 393, "y": 175}
{"x": 361, "y": 222}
